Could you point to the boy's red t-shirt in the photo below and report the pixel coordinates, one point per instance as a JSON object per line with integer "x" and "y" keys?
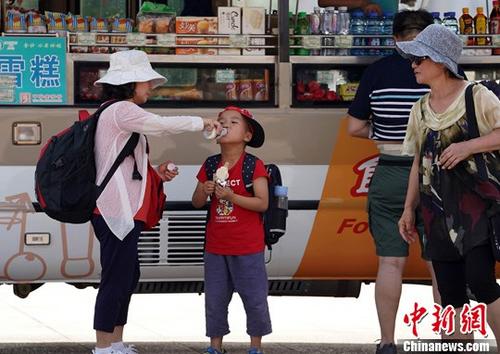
{"x": 233, "y": 230}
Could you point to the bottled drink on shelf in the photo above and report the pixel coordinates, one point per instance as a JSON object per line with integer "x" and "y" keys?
{"x": 302, "y": 28}
{"x": 480, "y": 26}
{"x": 437, "y": 19}
{"x": 466, "y": 24}
{"x": 343, "y": 24}
{"x": 327, "y": 27}
{"x": 495, "y": 23}
{"x": 291, "y": 31}
{"x": 450, "y": 22}
{"x": 387, "y": 23}
{"x": 358, "y": 27}
{"x": 315, "y": 26}
{"x": 373, "y": 28}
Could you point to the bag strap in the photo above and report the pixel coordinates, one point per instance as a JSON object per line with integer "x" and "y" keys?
{"x": 470, "y": 112}
{"x": 127, "y": 150}
{"x": 211, "y": 164}
{"x": 248, "y": 171}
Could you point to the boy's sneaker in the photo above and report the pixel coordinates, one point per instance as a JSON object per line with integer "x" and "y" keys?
{"x": 254, "y": 351}
{"x": 386, "y": 349}
{"x": 129, "y": 349}
{"x": 211, "y": 350}
{"x": 112, "y": 351}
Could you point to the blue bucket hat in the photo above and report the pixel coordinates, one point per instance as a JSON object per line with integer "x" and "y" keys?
{"x": 436, "y": 42}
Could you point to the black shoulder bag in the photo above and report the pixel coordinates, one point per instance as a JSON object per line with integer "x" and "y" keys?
{"x": 482, "y": 171}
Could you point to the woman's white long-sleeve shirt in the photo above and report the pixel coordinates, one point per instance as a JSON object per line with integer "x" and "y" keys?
{"x": 123, "y": 196}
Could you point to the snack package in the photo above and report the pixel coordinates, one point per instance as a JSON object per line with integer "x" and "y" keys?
{"x": 260, "y": 90}
{"x": 244, "y": 89}
{"x": 98, "y": 24}
{"x": 156, "y": 23}
{"x": 15, "y": 22}
{"x": 145, "y": 24}
{"x": 229, "y": 23}
{"x": 196, "y": 25}
{"x": 255, "y": 51}
{"x": 98, "y": 50}
{"x": 102, "y": 39}
{"x": 77, "y": 23}
{"x": 118, "y": 39}
{"x": 79, "y": 49}
{"x": 348, "y": 91}
{"x": 253, "y": 20}
{"x": 122, "y": 25}
{"x": 196, "y": 41}
{"x": 155, "y": 18}
{"x": 36, "y": 23}
{"x": 56, "y": 22}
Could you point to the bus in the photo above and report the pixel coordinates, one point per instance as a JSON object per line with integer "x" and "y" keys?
{"x": 327, "y": 249}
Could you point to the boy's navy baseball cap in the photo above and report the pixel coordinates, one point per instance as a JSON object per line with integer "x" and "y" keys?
{"x": 258, "y": 135}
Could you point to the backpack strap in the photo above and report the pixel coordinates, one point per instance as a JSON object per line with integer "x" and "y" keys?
{"x": 248, "y": 171}
{"x": 470, "y": 112}
{"x": 211, "y": 164}
{"x": 127, "y": 150}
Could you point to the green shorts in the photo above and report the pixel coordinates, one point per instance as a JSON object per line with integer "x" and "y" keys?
{"x": 386, "y": 199}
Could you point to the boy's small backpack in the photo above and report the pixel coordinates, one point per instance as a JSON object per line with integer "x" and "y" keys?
{"x": 274, "y": 217}
{"x": 65, "y": 172}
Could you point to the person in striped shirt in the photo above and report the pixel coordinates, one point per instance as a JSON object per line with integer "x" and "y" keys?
{"x": 380, "y": 111}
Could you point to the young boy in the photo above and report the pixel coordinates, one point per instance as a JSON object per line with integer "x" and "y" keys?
{"x": 234, "y": 250}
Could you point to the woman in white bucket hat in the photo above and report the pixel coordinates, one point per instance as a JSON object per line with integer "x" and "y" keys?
{"x": 122, "y": 207}
{"x": 454, "y": 198}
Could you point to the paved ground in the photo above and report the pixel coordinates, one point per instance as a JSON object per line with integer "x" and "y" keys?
{"x": 188, "y": 348}
{"x": 57, "y": 318}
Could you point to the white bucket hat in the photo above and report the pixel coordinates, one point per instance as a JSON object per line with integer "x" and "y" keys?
{"x": 130, "y": 66}
{"x": 436, "y": 42}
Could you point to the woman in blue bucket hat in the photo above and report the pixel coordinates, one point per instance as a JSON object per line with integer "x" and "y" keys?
{"x": 444, "y": 178}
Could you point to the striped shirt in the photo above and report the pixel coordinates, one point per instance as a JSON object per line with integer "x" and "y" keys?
{"x": 385, "y": 95}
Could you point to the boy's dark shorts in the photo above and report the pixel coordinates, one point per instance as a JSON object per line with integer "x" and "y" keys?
{"x": 386, "y": 199}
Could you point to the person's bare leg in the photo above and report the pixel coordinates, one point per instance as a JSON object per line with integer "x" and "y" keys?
{"x": 216, "y": 343}
{"x": 103, "y": 339}
{"x": 256, "y": 342}
{"x": 435, "y": 291}
{"x": 493, "y": 317}
{"x": 387, "y": 294}
{"x": 118, "y": 334}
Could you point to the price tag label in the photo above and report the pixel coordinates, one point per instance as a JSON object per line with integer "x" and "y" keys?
{"x": 239, "y": 41}
{"x": 86, "y": 38}
{"x": 224, "y": 76}
{"x": 311, "y": 42}
{"x": 343, "y": 41}
{"x": 138, "y": 39}
{"x": 324, "y": 76}
{"x": 166, "y": 39}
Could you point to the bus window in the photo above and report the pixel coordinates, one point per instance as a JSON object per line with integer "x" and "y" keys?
{"x": 108, "y": 8}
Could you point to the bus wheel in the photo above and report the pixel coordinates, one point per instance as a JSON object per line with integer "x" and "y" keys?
{"x": 23, "y": 290}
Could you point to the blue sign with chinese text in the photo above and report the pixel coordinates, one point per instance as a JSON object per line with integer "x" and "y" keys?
{"x": 32, "y": 70}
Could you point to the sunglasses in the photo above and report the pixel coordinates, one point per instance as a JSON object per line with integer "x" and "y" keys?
{"x": 418, "y": 60}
